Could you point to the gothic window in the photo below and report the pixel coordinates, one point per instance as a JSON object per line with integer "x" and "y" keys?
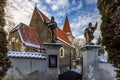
{"x": 22, "y": 48}
{"x": 13, "y": 43}
{"x": 13, "y": 39}
{"x": 62, "y": 52}
{"x": 17, "y": 40}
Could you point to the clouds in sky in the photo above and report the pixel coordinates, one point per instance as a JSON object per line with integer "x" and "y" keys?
{"x": 80, "y": 12}
{"x": 57, "y": 4}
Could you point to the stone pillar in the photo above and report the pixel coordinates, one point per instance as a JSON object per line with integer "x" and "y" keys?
{"x": 52, "y": 54}
{"x": 90, "y": 62}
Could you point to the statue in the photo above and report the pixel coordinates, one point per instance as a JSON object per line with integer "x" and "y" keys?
{"x": 89, "y": 32}
{"x": 52, "y": 25}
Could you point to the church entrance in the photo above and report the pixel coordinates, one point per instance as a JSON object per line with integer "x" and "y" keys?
{"x": 70, "y": 75}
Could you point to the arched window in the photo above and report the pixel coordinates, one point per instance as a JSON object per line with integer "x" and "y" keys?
{"x": 62, "y": 52}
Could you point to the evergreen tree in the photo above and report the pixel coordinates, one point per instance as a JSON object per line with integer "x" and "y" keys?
{"x": 4, "y": 60}
{"x": 99, "y": 42}
{"x": 110, "y": 28}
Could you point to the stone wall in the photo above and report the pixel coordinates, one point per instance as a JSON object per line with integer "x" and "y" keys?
{"x": 27, "y": 69}
{"x": 14, "y": 45}
{"x": 35, "y": 66}
{"x": 91, "y": 69}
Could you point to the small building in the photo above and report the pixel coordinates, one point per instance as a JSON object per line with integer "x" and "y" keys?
{"x": 24, "y": 39}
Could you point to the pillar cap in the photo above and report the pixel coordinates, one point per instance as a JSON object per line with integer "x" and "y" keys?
{"x": 91, "y": 47}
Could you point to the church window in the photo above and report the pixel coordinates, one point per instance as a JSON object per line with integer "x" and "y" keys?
{"x": 13, "y": 39}
{"x": 13, "y": 43}
{"x": 62, "y": 52}
{"x": 17, "y": 40}
{"x": 9, "y": 42}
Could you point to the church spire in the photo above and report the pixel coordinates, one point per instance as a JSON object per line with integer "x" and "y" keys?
{"x": 66, "y": 27}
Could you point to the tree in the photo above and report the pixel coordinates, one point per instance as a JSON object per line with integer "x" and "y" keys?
{"x": 99, "y": 42}
{"x": 78, "y": 42}
{"x": 4, "y": 60}
{"x": 110, "y": 28}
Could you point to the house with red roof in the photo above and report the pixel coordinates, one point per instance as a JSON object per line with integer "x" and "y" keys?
{"x": 24, "y": 39}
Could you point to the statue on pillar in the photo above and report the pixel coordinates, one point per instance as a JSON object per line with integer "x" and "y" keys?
{"x": 52, "y": 25}
{"x": 88, "y": 34}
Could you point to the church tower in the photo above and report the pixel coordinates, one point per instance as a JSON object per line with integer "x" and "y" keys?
{"x": 67, "y": 29}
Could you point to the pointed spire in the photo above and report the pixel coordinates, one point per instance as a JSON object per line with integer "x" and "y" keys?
{"x": 66, "y": 27}
{"x": 35, "y": 4}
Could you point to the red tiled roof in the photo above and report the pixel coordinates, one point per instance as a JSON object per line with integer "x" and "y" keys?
{"x": 28, "y": 35}
{"x": 60, "y": 34}
{"x": 66, "y": 27}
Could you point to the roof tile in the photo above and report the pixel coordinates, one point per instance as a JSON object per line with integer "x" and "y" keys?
{"x": 30, "y": 35}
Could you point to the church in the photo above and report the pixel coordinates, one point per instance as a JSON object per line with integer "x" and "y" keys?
{"x": 30, "y": 38}
{"x": 64, "y": 36}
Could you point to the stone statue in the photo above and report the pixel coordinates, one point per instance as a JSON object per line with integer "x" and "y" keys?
{"x": 89, "y": 32}
{"x": 52, "y": 25}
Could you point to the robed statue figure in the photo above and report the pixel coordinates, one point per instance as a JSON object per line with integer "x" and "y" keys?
{"x": 89, "y": 32}
{"x": 52, "y": 25}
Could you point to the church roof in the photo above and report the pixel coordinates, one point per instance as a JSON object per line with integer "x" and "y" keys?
{"x": 61, "y": 35}
{"x": 66, "y": 27}
{"x": 28, "y": 35}
{"x": 43, "y": 16}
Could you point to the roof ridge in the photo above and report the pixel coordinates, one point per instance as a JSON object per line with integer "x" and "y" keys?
{"x": 16, "y": 28}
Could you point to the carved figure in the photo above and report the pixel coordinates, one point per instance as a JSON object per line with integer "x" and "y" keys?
{"x": 88, "y": 34}
{"x": 52, "y": 25}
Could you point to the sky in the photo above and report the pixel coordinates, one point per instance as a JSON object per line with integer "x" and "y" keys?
{"x": 79, "y": 12}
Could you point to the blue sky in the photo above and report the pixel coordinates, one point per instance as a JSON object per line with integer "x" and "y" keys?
{"x": 80, "y": 13}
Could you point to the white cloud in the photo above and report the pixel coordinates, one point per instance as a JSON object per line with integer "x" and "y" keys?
{"x": 18, "y": 11}
{"x": 48, "y": 1}
{"x": 54, "y": 7}
{"x": 76, "y": 7}
{"x": 79, "y": 24}
{"x": 58, "y": 4}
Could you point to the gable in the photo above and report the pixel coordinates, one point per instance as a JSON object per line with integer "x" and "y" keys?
{"x": 66, "y": 27}
{"x": 61, "y": 35}
{"x": 37, "y": 22}
{"x": 28, "y": 35}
